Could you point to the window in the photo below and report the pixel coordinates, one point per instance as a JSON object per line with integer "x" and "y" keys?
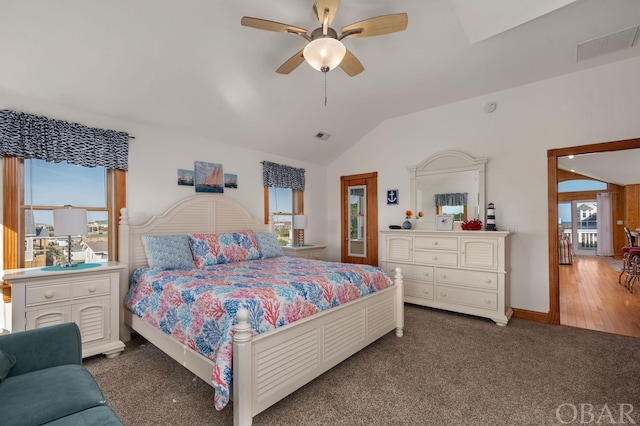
{"x": 577, "y": 185}
{"x": 35, "y": 188}
{"x": 280, "y": 205}
{"x": 459, "y": 212}
{"x": 283, "y": 198}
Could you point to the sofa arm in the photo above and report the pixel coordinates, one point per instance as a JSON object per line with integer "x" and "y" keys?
{"x": 44, "y": 347}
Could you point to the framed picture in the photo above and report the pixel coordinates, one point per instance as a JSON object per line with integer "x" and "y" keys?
{"x": 230, "y": 181}
{"x": 185, "y": 177}
{"x": 444, "y": 222}
{"x": 208, "y": 177}
{"x": 392, "y": 196}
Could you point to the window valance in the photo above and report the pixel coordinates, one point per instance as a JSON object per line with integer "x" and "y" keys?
{"x": 453, "y": 199}
{"x": 281, "y": 176}
{"x": 30, "y": 136}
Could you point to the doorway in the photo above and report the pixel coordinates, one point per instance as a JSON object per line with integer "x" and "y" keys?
{"x": 578, "y": 220}
{"x": 359, "y": 218}
{"x": 553, "y": 209}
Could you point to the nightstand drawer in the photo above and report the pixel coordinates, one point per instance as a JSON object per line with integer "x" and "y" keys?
{"x": 47, "y": 293}
{"x": 90, "y": 287}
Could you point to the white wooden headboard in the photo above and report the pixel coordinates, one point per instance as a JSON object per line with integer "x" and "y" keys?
{"x": 203, "y": 213}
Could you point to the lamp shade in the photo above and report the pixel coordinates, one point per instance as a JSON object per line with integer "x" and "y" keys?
{"x": 324, "y": 54}
{"x": 300, "y": 221}
{"x": 69, "y": 221}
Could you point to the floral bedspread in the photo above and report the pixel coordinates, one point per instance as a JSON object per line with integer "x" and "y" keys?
{"x": 198, "y": 307}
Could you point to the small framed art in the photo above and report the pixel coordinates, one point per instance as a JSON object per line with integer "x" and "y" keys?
{"x": 444, "y": 222}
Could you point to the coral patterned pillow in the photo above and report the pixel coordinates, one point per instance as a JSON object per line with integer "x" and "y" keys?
{"x": 214, "y": 249}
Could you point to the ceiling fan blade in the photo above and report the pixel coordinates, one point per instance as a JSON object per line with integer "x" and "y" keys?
{"x": 351, "y": 65}
{"x": 263, "y": 24}
{"x": 376, "y": 26}
{"x": 291, "y": 64}
{"x": 332, "y": 5}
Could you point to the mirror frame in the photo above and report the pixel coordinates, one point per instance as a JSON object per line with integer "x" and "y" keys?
{"x": 451, "y": 161}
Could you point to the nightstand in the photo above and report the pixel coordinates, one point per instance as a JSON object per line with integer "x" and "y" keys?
{"x": 88, "y": 296}
{"x": 307, "y": 251}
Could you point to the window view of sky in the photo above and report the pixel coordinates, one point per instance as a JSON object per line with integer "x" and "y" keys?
{"x": 564, "y": 209}
{"x": 55, "y": 184}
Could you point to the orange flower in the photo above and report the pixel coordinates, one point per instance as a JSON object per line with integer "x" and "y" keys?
{"x": 408, "y": 214}
{"x": 420, "y": 214}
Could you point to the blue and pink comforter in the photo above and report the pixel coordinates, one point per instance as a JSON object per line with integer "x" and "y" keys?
{"x": 198, "y": 307}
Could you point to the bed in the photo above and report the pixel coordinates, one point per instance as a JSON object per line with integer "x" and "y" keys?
{"x": 269, "y": 366}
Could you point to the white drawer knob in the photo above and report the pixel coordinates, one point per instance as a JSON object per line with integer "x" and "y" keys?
{"x": 443, "y": 276}
{"x": 92, "y": 289}
{"x": 487, "y": 301}
{"x": 426, "y": 274}
{"x": 425, "y": 291}
{"x": 48, "y": 294}
{"x": 443, "y": 294}
{"x": 435, "y": 257}
{"x": 435, "y": 243}
{"x": 487, "y": 280}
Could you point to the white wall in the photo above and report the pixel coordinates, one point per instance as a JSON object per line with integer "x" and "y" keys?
{"x": 592, "y": 106}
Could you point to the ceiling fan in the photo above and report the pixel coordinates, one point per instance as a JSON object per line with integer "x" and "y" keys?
{"x": 325, "y": 50}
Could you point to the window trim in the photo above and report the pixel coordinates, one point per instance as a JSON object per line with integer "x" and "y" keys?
{"x": 297, "y": 199}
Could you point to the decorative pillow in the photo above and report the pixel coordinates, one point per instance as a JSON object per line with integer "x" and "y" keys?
{"x": 268, "y": 244}
{"x": 168, "y": 251}
{"x": 6, "y": 362}
{"x": 214, "y": 249}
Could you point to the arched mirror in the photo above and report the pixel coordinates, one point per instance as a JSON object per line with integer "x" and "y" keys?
{"x": 448, "y": 182}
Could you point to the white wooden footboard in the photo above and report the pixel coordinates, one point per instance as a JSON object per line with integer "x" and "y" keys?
{"x": 271, "y": 366}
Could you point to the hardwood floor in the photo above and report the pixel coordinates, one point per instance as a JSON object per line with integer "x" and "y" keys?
{"x": 591, "y": 298}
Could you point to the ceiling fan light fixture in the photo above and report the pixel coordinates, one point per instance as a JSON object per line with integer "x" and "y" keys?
{"x": 324, "y": 54}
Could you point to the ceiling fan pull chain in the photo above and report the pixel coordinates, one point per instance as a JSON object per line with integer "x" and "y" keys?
{"x": 325, "y": 89}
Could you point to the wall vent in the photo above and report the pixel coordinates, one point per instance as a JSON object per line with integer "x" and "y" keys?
{"x": 622, "y": 39}
{"x": 322, "y": 135}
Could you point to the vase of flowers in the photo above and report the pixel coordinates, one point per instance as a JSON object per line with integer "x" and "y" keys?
{"x": 407, "y": 223}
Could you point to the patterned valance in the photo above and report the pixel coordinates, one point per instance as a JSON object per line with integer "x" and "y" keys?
{"x": 30, "y": 136}
{"x": 455, "y": 199}
{"x": 358, "y": 192}
{"x": 281, "y": 176}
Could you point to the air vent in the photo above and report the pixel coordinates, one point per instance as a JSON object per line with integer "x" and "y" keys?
{"x": 322, "y": 135}
{"x": 610, "y": 43}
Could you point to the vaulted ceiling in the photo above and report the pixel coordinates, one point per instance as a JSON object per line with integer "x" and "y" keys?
{"x": 189, "y": 66}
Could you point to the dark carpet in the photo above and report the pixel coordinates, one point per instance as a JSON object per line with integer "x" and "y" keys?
{"x": 448, "y": 369}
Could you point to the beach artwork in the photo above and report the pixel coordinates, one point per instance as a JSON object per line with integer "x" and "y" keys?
{"x": 230, "y": 181}
{"x": 208, "y": 177}
{"x": 185, "y": 177}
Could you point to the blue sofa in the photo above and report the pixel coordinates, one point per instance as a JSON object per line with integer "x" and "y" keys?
{"x": 42, "y": 380}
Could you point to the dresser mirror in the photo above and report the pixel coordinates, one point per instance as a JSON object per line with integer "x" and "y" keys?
{"x": 450, "y": 175}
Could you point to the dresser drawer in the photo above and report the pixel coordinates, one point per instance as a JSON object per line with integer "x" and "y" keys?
{"x": 418, "y": 289}
{"x": 484, "y": 280}
{"x": 417, "y": 272}
{"x": 38, "y": 294}
{"x": 436, "y": 243}
{"x": 90, "y": 287}
{"x": 436, "y": 257}
{"x": 460, "y": 296}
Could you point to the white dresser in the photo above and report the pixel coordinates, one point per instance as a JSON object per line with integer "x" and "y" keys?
{"x": 89, "y": 297}
{"x": 461, "y": 271}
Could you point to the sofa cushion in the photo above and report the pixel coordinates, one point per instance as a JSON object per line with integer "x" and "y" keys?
{"x": 6, "y": 362}
{"x": 49, "y": 394}
{"x": 96, "y": 416}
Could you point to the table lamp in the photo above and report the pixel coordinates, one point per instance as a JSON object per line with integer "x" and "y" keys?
{"x": 299, "y": 225}
{"x": 69, "y": 221}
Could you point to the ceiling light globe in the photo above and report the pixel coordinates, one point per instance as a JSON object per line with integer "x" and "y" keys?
{"x": 324, "y": 53}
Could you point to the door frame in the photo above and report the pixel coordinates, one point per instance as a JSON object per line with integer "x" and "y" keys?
{"x": 553, "y": 317}
{"x": 371, "y": 181}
